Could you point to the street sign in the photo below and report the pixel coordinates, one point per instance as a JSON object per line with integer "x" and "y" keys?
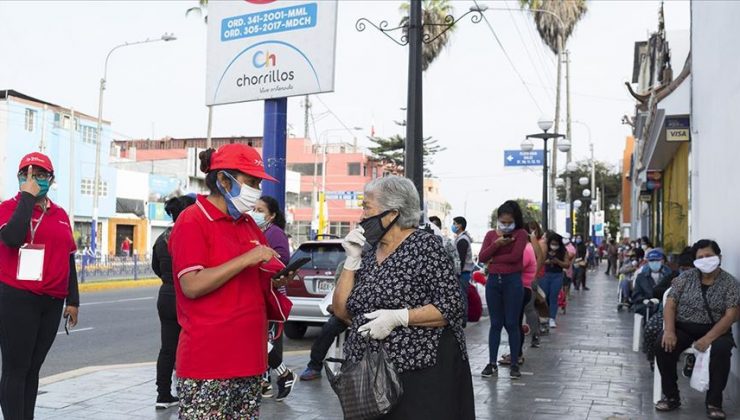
{"x": 263, "y": 49}
{"x": 521, "y": 158}
{"x": 677, "y": 128}
{"x": 344, "y": 195}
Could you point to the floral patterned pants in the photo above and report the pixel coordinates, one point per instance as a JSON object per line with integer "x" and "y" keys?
{"x": 223, "y": 399}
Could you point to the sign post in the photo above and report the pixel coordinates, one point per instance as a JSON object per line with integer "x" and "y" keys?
{"x": 521, "y": 158}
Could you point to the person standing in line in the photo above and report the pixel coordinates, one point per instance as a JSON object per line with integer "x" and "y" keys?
{"x": 503, "y": 252}
{"x": 217, "y": 258}
{"x": 612, "y": 252}
{"x": 166, "y": 306}
{"x": 37, "y": 275}
{"x": 580, "y": 263}
{"x": 556, "y": 261}
{"x": 271, "y": 219}
{"x": 463, "y": 242}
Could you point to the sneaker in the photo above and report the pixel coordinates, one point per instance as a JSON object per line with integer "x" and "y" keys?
{"x": 586, "y": 288}
{"x": 285, "y": 385}
{"x": 489, "y": 371}
{"x": 688, "y": 368}
{"x": 535, "y": 342}
{"x": 266, "y": 390}
{"x": 552, "y": 323}
{"x": 166, "y": 401}
{"x": 310, "y": 374}
{"x": 514, "y": 372}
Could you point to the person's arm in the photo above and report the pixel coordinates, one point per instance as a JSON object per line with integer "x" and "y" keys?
{"x": 426, "y": 316}
{"x": 341, "y": 293}
{"x": 73, "y": 290}
{"x": 720, "y": 328}
{"x": 488, "y": 247}
{"x": 14, "y": 233}
{"x": 538, "y": 253}
{"x": 462, "y": 250}
{"x": 155, "y": 260}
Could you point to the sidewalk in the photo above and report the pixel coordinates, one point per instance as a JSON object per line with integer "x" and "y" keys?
{"x": 585, "y": 369}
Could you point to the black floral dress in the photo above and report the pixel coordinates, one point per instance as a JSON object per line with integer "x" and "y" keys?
{"x": 417, "y": 273}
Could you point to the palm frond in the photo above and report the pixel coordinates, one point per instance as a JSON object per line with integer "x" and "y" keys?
{"x": 548, "y": 26}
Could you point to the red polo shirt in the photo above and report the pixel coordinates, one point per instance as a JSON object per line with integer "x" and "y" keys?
{"x": 55, "y": 234}
{"x": 224, "y": 333}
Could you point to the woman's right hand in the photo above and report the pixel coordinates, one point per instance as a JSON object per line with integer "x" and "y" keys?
{"x": 260, "y": 254}
{"x": 669, "y": 341}
{"x": 502, "y": 241}
{"x": 30, "y": 186}
{"x": 353, "y": 244}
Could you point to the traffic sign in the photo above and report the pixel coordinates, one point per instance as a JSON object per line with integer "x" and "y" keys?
{"x": 521, "y": 158}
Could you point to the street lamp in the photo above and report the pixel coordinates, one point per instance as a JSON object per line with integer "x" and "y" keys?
{"x": 583, "y": 181}
{"x": 545, "y": 124}
{"x": 559, "y": 182}
{"x": 571, "y": 167}
{"x": 99, "y": 132}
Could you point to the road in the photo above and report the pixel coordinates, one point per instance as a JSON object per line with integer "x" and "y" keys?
{"x": 117, "y": 327}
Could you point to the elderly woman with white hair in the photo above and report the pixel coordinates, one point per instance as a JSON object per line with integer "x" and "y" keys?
{"x": 403, "y": 293}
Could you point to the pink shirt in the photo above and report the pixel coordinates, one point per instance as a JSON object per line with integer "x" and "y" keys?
{"x": 529, "y": 266}
{"x": 571, "y": 253}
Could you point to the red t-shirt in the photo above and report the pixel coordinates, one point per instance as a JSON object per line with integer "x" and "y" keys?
{"x": 55, "y": 234}
{"x": 224, "y": 333}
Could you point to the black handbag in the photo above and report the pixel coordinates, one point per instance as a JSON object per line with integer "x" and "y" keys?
{"x": 367, "y": 389}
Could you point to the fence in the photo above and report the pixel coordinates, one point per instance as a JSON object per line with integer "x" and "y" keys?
{"x": 98, "y": 268}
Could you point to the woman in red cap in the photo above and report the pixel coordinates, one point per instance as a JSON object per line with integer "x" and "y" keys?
{"x": 217, "y": 254}
{"x": 37, "y": 274}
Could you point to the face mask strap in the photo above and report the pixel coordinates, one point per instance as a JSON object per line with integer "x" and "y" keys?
{"x": 234, "y": 184}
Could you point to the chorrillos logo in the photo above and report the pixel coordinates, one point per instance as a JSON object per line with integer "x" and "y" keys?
{"x": 267, "y": 61}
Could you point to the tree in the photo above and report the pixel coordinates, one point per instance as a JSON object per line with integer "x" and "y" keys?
{"x": 433, "y": 15}
{"x": 200, "y": 10}
{"x": 391, "y": 151}
{"x": 530, "y": 211}
{"x": 548, "y": 26}
{"x": 609, "y": 181}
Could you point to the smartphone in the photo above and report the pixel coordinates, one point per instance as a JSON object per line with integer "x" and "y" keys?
{"x": 294, "y": 266}
{"x": 508, "y": 235}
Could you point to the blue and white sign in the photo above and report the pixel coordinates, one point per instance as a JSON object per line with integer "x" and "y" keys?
{"x": 262, "y": 49}
{"x": 521, "y": 158}
{"x": 344, "y": 195}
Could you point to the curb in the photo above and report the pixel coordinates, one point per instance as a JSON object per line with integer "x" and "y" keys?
{"x": 118, "y": 284}
{"x": 87, "y": 370}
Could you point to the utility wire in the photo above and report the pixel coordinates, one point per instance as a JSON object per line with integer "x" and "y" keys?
{"x": 506, "y": 54}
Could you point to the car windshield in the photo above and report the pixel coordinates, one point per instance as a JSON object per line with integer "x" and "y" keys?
{"x": 322, "y": 257}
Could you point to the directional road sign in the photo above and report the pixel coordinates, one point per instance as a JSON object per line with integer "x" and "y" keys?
{"x": 521, "y": 158}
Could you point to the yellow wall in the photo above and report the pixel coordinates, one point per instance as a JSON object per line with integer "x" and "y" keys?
{"x": 676, "y": 201}
{"x": 141, "y": 231}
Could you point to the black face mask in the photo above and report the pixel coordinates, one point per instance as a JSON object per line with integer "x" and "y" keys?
{"x": 374, "y": 230}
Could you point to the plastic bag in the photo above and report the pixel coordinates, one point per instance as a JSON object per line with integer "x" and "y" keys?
{"x": 700, "y": 376}
{"x": 366, "y": 389}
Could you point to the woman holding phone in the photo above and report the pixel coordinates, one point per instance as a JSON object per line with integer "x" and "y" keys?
{"x": 37, "y": 275}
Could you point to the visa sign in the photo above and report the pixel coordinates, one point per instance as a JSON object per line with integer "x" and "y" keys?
{"x": 677, "y": 128}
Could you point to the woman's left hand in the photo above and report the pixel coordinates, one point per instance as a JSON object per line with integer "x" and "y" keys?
{"x": 71, "y": 312}
{"x": 384, "y": 321}
{"x": 282, "y": 281}
{"x": 702, "y": 344}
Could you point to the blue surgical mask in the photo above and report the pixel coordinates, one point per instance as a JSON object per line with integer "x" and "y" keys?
{"x": 506, "y": 227}
{"x": 43, "y": 184}
{"x": 655, "y": 265}
{"x": 258, "y": 218}
{"x": 454, "y": 229}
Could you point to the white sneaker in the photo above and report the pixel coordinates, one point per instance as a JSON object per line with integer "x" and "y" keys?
{"x": 553, "y": 324}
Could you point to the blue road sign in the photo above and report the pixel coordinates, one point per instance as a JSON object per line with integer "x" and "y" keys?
{"x": 520, "y": 158}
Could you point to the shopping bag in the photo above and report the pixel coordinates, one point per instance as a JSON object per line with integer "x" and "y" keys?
{"x": 700, "y": 376}
{"x": 366, "y": 389}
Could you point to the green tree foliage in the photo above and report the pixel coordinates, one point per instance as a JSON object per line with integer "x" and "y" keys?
{"x": 433, "y": 16}
{"x": 390, "y": 150}
{"x": 548, "y": 25}
{"x": 530, "y": 211}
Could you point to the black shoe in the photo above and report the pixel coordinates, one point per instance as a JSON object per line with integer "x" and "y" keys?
{"x": 489, "y": 371}
{"x": 586, "y": 288}
{"x": 166, "y": 401}
{"x": 285, "y": 385}
{"x": 688, "y": 368}
{"x": 535, "y": 342}
{"x": 514, "y": 372}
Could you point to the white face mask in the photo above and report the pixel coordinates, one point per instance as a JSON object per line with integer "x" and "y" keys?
{"x": 243, "y": 202}
{"x": 506, "y": 227}
{"x": 707, "y": 265}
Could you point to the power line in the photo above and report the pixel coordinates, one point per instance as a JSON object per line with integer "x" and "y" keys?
{"x": 506, "y": 54}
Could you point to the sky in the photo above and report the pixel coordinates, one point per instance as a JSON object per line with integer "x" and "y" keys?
{"x": 476, "y": 103}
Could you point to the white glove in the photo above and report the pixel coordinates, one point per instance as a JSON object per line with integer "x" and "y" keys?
{"x": 353, "y": 244}
{"x": 383, "y": 322}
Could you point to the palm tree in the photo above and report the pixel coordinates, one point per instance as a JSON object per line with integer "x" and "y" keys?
{"x": 199, "y": 11}
{"x": 433, "y": 16}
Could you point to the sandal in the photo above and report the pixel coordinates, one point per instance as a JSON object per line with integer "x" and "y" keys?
{"x": 669, "y": 404}
{"x": 715, "y": 413}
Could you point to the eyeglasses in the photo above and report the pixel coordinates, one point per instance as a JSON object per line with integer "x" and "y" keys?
{"x": 39, "y": 176}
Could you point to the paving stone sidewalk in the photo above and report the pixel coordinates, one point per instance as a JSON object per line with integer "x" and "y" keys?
{"x": 585, "y": 369}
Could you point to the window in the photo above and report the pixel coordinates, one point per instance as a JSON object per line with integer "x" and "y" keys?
{"x": 87, "y": 187}
{"x": 89, "y": 134}
{"x": 30, "y": 119}
{"x": 339, "y": 229}
{"x": 306, "y": 168}
{"x": 353, "y": 169}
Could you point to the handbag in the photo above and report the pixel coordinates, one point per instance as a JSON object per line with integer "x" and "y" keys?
{"x": 367, "y": 389}
{"x": 278, "y": 305}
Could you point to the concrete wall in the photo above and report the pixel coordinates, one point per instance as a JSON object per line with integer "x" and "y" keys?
{"x": 715, "y": 127}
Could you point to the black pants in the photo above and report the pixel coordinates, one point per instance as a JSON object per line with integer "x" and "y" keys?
{"x": 719, "y": 361}
{"x": 28, "y": 327}
{"x": 611, "y": 266}
{"x": 275, "y": 357}
{"x": 329, "y": 332}
{"x": 443, "y": 391}
{"x": 527, "y": 298}
{"x": 170, "y": 333}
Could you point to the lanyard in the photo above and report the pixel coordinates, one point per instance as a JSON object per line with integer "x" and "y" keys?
{"x": 35, "y": 228}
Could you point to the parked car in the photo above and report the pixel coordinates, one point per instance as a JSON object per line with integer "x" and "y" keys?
{"x": 312, "y": 282}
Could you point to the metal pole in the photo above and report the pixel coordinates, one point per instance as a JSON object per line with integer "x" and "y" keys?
{"x": 96, "y": 180}
{"x": 545, "y": 208}
{"x": 568, "y": 135}
{"x": 72, "y": 183}
{"x": 414, "y": 157}
{"x": 554, "y": 170}
{"x": 274, "y": 148}
{"x": 42, "y": 144}
{"x": 209, "y": 141}
{"x": 593, "y": 184}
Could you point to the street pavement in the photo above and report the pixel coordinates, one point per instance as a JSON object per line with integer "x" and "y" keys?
{"x": 585, "y": 369}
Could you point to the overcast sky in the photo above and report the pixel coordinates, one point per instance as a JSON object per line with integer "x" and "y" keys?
{"x": 474, "y": 102}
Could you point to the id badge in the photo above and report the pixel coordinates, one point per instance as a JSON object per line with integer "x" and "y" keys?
{"x": 31, "y": 262}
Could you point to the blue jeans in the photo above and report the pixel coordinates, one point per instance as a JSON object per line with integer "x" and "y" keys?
{"x": 464, "y": 283}
{"x": 551, "y": 283}
{"x": 504, "y": 296}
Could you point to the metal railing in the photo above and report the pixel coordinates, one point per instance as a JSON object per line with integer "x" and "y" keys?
{"x": 104, "y": 267}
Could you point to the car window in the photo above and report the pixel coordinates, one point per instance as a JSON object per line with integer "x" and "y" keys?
{"x": 322, "y": 257}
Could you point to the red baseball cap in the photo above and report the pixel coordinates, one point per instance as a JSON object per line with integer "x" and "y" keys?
{"x": 240, "y": 157}
{"x": 36, "y": 159}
